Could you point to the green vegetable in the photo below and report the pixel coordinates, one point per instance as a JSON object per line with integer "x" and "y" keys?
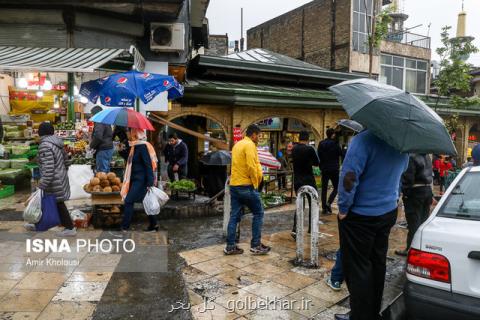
{"x": 182, "y": 185}
{"x": 18, "y": 163}
{"x": 4, "y": 164}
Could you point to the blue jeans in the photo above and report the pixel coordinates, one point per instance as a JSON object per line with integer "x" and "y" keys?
{"x": 103, "y": 158}
{"x": 249, "y": 197}
{"x": 128, "y": 211}
{"x": 337, "y": 271}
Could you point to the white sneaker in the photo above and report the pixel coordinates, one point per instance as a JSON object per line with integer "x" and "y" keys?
{"x": 67, "y": 233}
{"x": 29, "y": 226}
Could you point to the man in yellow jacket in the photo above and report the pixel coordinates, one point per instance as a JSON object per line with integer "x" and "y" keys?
{"x": 244, "y": 182}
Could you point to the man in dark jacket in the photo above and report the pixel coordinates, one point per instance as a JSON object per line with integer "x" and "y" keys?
{"x": 121, "y": 133}
{"x": 53, "y": 163}
{"x": 102, "y": 143}
{"x": 329, "y": 153}
{"x": 176, "y": 155}
{"x": 417, "y": 194}
{"x": 304, "y": 158}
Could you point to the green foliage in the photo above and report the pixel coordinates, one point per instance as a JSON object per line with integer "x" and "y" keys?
{"x": 454, "y": 78}
{"x": 382, "y": 21}
{"x": 182, "y": 185}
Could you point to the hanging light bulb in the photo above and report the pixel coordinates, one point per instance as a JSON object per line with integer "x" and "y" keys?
{"x": 22, "y": 83}
{"x": 83, "y": 100}
{"x": 75, "y": 91}
{"x": 47, "y": 85}
{"x": 39, "y": 93}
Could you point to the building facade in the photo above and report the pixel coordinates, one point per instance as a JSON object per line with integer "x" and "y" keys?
{"x": 334, "y": 35}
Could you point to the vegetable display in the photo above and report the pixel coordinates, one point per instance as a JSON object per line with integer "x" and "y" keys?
{"x": 65, "y": 126}
{"x": 103, "y": 182}
{"x": 183, "y": 185}
{"x": 80, "y": 159}
{"x": 272, "y": 199}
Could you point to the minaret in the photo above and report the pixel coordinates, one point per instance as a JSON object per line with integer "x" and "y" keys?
{"x": 462, "y": 23}
{"x": 462, "y": 28}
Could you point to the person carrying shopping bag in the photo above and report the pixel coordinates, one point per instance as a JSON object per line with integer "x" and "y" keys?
{"x": 53, "y": 164}
{"x": 140, "y": 175}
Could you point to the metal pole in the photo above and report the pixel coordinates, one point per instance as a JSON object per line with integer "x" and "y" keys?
{"x": 71, "y": 98}
{"x": 226, "y": 207}
{"x": 302, "y": 194}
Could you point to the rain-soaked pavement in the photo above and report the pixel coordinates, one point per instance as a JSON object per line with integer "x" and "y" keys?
{"x": 198, "y": 277}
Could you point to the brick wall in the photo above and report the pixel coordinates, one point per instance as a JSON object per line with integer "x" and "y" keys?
{"x": 217, "y": 45}
{"x": 306, "y": 33}
{"x": 405, "y": 50}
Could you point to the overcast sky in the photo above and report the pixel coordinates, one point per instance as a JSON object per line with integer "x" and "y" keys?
{"x": 224, "y": 16}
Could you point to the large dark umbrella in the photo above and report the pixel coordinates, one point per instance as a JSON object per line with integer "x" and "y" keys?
{"x": 217, "y": 158}
{"x": 395, "y": 116}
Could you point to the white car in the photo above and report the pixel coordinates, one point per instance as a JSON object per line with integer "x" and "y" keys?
{"x": 443, "y": 265}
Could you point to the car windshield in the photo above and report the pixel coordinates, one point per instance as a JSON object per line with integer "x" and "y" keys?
{"x": 464, "y": 200}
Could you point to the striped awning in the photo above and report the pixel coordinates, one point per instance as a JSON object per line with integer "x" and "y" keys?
{"x": 55, "y": 59}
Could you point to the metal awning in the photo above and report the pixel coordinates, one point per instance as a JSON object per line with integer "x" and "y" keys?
{"x": 55, "y": 59}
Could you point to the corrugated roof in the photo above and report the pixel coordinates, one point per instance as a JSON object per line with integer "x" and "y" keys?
{"x": 266, "y": 56}
{"x": 55, "y": 59}
{"x": 252, "y": 94}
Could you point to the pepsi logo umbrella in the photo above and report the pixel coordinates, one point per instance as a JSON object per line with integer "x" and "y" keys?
{"x": 122, "y": 89}
{"x": 125, "y": 117}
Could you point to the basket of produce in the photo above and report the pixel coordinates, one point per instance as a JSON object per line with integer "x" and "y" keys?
{"x": 80, "y": 145}
{"x": 183, "y": 185}
{"x": 7, "y": 148}
{"x": 65, "y": 126}
{"x": 104, "y": 184}
{"x": 13, "y": 134}
{"x": 10, "y": 128}
{"x": 18, "y": 163}
{"x": 80, "y": 159}
{"x": 4, "y": 164}
{"x": 20, "y": 149}
{"x": 272, "y": 199}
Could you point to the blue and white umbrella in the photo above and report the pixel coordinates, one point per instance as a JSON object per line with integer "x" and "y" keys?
{"x": 122, "y": 89}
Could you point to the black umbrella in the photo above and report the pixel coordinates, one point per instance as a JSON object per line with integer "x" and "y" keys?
{"x": 397, "y": 117}
{"x": 217, "y": 158}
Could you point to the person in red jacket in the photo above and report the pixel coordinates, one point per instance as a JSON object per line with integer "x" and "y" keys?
{"x": 444, "y": 166}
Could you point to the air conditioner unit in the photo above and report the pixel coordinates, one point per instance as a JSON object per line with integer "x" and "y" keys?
{"x": 167, "y": 37}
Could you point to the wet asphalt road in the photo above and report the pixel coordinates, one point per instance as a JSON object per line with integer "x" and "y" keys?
{"x": 150, "y": 295}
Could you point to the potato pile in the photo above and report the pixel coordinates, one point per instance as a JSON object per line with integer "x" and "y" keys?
{"x": 104, "y": 182}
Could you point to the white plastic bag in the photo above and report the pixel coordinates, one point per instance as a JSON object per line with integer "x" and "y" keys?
{"x": 161, "y": 195}
{"x": 78, "y": 215}
{"x": 78, "y": 176}
{"x": 33, "y": 210}
{"x": 151, "y": 203}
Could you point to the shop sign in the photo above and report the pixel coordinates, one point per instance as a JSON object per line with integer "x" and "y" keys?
{"x": 237, "y": 135}
{"x": 271, "y": 124}
{"x": 60, "y": 87}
